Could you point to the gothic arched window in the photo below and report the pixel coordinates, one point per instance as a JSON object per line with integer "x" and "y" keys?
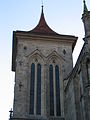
{"x": 32, "y": 82}
{"x": 38, "y": 105}
{"x": 35, "y": 89}
{"x": 55, "y": 107}
{"x": 51, "y": 90}
{"x": 58, "y": 110}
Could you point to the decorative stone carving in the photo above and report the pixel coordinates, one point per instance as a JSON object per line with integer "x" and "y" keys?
{"x": 36, "y": 60}
{"x": 25, "y": 48}
{"x": 64, "y": 51}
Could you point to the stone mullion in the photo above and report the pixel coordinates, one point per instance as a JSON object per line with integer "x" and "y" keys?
{"x": 54, "y": 83}
{"x": 35, "y": 89}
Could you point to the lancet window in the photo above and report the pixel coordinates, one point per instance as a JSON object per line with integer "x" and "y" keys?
{"x": 55, "y": 107}
{"x": 35, "y": 89}
{"x": 32, "y": 84}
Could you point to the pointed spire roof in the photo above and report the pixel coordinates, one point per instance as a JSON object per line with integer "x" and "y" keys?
{"x": 85, "y": 7}
{"x": 42, "y": 27}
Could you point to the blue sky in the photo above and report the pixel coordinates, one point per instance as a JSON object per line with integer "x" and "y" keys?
{"x": 63, "y": 16}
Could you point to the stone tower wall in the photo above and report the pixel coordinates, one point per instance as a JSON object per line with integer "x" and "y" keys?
{"x": 45, "y": 51}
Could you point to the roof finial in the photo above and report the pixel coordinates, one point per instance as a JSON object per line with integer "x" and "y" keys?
{"x": 42, "y": 6}
{"x": 85, "y": 7}
{"x": 84, "y": 1}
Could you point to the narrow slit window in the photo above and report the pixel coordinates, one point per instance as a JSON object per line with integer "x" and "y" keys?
{"x": 32, "y": 82}
{"x": 58, "y": 110}
{"x": 51, "y": 90}
{"x": 38, "y": 105}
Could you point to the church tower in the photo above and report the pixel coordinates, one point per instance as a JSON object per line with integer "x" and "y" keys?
{"x": 86, "y": 21}
{"x": 41, "y": 59}
{"x": 86, "y": 63}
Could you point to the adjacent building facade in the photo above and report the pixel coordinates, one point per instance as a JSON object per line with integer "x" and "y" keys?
{"x": 47, "y": 87}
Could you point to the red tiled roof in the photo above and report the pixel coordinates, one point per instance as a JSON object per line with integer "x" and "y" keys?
{"x": 42, "y": 26}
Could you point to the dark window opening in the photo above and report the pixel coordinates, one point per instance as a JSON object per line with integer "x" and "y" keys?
{"x": 38, "y": 105}
{"x": 32, "y": 82}
{"x": 58, "y": 110}
{"x": 51, "y": 90}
